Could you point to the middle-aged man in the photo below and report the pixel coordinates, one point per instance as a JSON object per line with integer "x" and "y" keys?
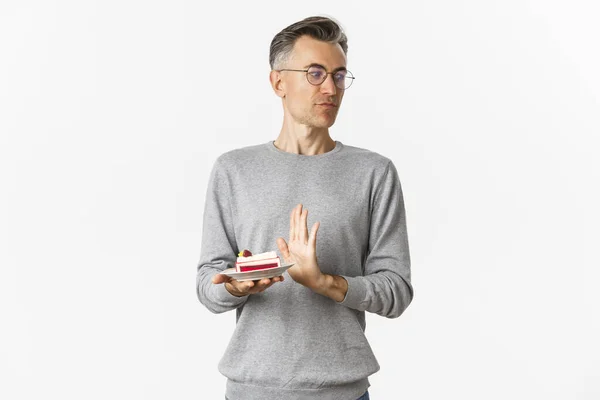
{"x": 303, "y": 338}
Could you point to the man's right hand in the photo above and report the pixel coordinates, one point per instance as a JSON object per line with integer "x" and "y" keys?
{"x": 245, "y": 288}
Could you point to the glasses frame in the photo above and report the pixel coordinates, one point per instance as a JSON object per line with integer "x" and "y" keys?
{"x": 325, "y": 78}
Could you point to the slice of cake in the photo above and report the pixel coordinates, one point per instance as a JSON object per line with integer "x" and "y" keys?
{"x": 248, "y": 262}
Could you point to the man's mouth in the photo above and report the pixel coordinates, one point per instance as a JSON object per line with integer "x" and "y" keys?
{"x": 327, "y": 105}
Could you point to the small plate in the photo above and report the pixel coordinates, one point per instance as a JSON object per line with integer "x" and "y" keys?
{"x": 255, "y": 275}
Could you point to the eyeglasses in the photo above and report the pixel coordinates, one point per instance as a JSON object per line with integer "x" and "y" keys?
{"x": 316, "y": 75}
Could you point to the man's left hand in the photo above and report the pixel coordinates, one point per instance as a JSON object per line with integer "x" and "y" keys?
{"x": 302, "y": 250}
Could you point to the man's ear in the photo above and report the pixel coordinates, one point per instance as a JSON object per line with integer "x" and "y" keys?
{"x": 277, "y": 83}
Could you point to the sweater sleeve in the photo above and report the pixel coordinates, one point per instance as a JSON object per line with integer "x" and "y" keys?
{"x": 218, "y": 249}
{"x": 385, "y": 288}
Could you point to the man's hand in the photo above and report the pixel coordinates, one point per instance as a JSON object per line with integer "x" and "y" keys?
{"x": 244, "y": 288}
{"x": 302, "y": 250}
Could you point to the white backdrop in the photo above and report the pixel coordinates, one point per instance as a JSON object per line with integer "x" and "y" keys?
{"x": 112, "y": 113}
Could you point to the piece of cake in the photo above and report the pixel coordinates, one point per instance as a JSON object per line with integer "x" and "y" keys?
{"x": 248, "y": 262}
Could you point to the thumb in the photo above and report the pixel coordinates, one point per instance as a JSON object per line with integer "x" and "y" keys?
{"x": 283, "y": 248}
{"x": 220, "y": 278}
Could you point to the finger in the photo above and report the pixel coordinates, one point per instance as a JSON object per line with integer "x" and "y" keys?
{"x": 272, "y": 282}
{"x": 292, "y": 219}
{"x": 261, "y": 285}
{"x": 312, "y": 240}
{"x": 264, "y": 282}
{"x": 297, "y": 222}
{"x": 246, "y": 285}
{"x": 303, "y": 227}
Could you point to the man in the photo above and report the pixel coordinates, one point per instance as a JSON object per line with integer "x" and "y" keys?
{"x": 303, "y": 338}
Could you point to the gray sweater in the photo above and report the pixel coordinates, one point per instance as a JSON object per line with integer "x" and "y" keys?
{"x": 289, "y": 342}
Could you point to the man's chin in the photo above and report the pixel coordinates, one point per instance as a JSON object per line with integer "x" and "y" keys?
{"x": 320, "y": 122}
{"x": 325, "y": 122}
{"x": 323, "y": 125}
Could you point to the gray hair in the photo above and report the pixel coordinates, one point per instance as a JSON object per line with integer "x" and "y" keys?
{"x": 320, "y": 28}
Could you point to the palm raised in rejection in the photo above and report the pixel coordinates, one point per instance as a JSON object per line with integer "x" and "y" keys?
{"x": 301, "y": 249}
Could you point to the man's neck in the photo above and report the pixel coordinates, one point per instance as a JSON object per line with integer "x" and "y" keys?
{"x": 307, "y": 143}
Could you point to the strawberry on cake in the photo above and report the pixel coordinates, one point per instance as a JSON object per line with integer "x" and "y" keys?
{"x": 247, "y": 262}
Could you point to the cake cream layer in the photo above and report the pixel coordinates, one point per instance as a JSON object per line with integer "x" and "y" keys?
{"x": 261, "y": 256}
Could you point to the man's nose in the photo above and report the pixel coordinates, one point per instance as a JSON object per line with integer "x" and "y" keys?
{"x": 328, "y": 86}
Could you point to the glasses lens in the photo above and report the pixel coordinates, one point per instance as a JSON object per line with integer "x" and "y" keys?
{"x": 316, "y": 75}
{"x": 340, "y": 79}
{"x": 343, "y": 79}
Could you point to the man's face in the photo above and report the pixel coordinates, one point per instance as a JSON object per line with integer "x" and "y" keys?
{"x": 313, "y": 105}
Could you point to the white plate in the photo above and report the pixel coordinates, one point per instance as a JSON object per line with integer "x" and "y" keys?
{"x": 254, "y": 275}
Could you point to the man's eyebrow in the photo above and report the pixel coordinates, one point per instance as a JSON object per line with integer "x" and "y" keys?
{"x": 322, "y": 66}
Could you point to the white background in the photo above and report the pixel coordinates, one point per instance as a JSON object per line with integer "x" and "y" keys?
{"x": 113, "y": 112}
